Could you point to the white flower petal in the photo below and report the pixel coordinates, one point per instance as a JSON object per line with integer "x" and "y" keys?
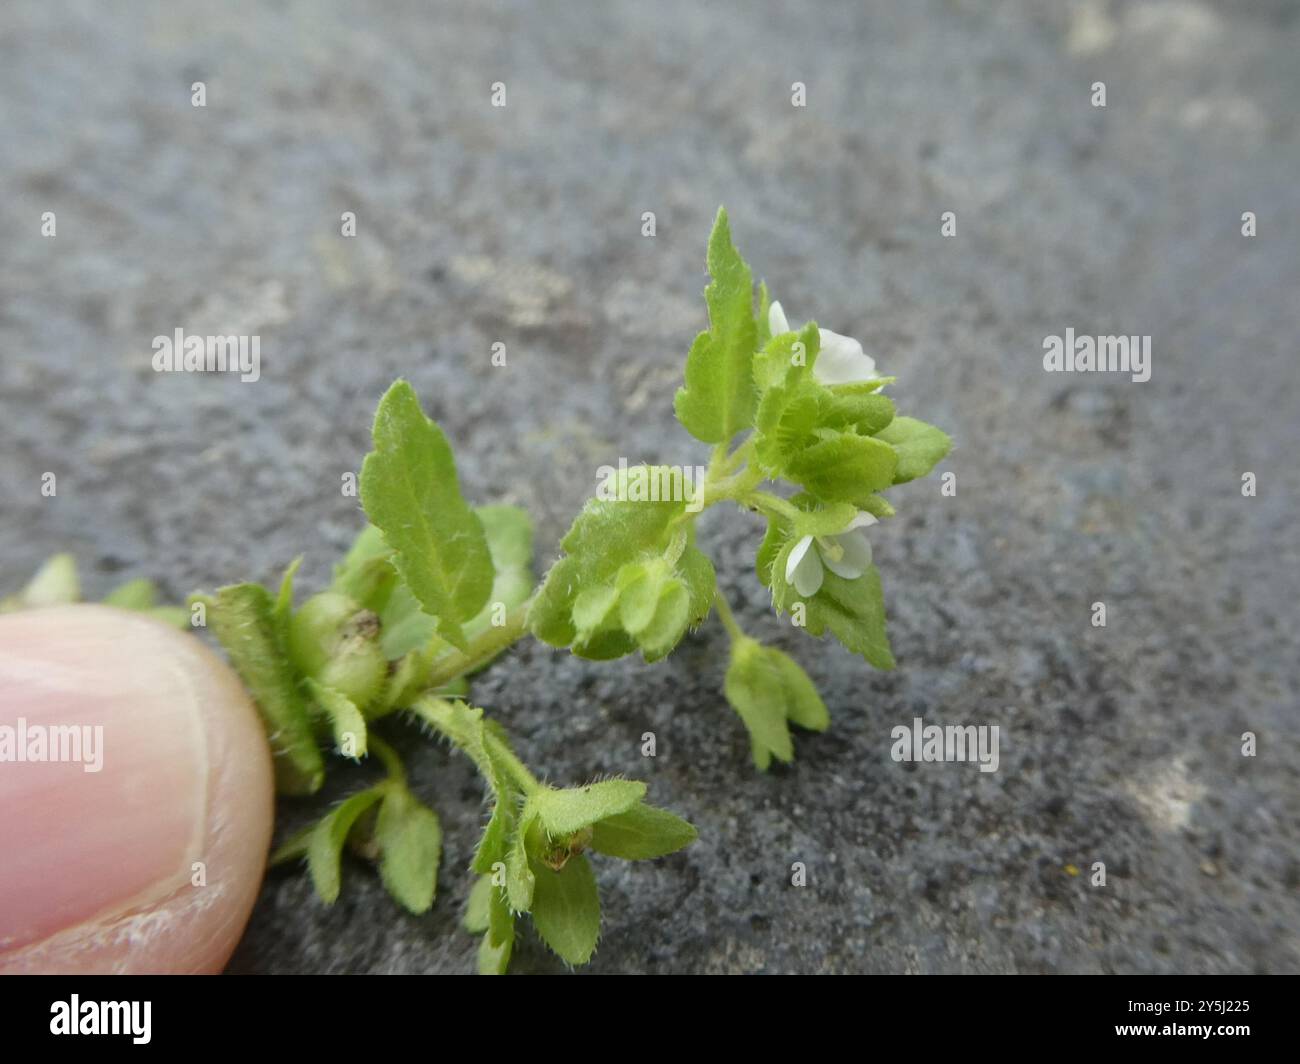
{"x": 856, "y": 558}
{"x": 841, "y": 360}
{"x": 776, "y": 319}
{"x": 804, "y": 568}
{"x": 861, "y": 521}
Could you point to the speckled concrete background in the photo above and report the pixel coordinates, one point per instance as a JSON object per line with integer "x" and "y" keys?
{"x": 522, "y": 225}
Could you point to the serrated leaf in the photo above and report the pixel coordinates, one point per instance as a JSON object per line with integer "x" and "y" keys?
{"x": 242, "y": 618}
{"x": 344, "y": 717}
{"x": 854, "y": 612}
{"x": 564, "y": 811}
{"x": 410, "y": 845}
{"x": 845, "y": 467}
{"x": 920, "y": 447}
{"x": 566, "y": 909}
{"x": 325, "y": 848}
{"x": 641, "y": 833}
{"x": 717, "y": 399}
{"x": 410, "y": 491}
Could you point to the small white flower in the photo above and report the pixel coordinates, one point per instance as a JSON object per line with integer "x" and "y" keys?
{"x": 846, "y": 554}
{"x": 841, "y": 359}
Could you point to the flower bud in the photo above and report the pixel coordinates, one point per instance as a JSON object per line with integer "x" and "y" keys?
{"x": 335, "y": 641}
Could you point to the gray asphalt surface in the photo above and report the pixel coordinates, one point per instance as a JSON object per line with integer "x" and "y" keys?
{"x": 522, "y": 225}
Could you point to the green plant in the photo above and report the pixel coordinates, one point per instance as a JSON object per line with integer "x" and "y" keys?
{"x": 434, "y": 589}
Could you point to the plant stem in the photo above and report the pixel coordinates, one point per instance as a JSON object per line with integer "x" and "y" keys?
{"x": 388, "y": 758}
{"x": 482, "y": 648}
{"x": 774, "y": 505}
{"x": 727, "y": 618}
{"x": 443, "y": 716}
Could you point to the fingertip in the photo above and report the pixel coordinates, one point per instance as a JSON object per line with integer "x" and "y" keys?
{"x": 138, "y": 782}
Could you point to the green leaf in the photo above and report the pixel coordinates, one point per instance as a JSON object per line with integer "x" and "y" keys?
{"x": 717, "y": 400}
{"x": 845, "y": 467}
{"x": 803, "y": 705}
{"x": 494, "y": 953}
{"x": 757, "y": 696}
{"x": 920, "y": 447}
{"x": 501, "y": 921}
{"x": 854, "y": 612}
{"x": 564, "y": 811}
{"x": 406, "y": 681}
{"x": 866, "y": 413}
{"x": 405, "y": 625}
{"x": 566, "y": 909}
{"x": 509, "y": 532}
{"x": 762, "y": 327}
{"x": 54, "y": 584}
{"x": 478, "y": 909}
{"x": 325, "y": 848}
{"x": 640, "y": 833}
{"x": 242, "y": 617}
{"x": 520, "y": 879}
{"x": 344, "y": 717}
{"x": 283, "y": 608}
{"x": 133, "y": 595}
{"x": 786, "y": 361}
{"x": 410, "y": 844}
{"x": 410, "y": 491}
{"x": 176, "y": 616}
{"x": 605, "y": 536}
{"x": 366, "y": 573}
{"x": 295, "y": 846}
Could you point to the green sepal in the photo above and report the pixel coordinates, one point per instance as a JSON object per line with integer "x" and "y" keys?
{"x": 243, "y": 619}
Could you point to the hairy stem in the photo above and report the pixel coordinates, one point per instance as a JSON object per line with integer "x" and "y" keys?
{"x": 443, "y": 716}
{"x": 387, "y": 757}
{"x": 482, "y": 648}
{"x": 725, "y": 615}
